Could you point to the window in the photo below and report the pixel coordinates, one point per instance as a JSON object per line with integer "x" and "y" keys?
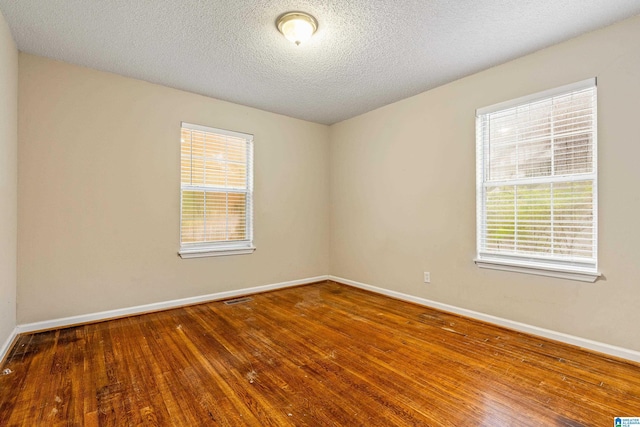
{"x": 537, "y": 184}
{"x": 216, "y": 192}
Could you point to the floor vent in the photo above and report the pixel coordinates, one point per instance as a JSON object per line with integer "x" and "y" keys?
{"x": 237, "y": 301}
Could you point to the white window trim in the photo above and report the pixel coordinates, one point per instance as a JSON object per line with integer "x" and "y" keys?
{"x": 208, "y": 251}
{"x": 572, "y": 87}
{"x": 215, "y": 249}
{"x": 539, "y": 269}
{"x": 585, "y": 272}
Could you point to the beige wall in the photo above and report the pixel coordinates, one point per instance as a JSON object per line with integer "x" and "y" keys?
{"x": 403, "y": 193}
{"x": 99, "y": 194}
{"x": 8, "y": 179}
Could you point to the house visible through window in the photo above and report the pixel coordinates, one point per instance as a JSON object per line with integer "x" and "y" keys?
{"x": 537, "y": 183}
{"x": 216, "y": 192}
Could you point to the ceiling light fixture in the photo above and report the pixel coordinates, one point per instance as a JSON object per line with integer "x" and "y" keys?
{"x": 297, "y": 27}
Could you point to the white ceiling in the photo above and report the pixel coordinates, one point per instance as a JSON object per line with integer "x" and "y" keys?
{"x": 366, "y": 53}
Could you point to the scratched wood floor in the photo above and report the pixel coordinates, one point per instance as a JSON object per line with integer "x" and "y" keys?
{"x": 318, "y": 355}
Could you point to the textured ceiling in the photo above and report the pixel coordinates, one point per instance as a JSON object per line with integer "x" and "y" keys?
{"x": 366, "y": 53}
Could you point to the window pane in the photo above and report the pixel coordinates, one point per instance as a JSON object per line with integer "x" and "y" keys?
{"x": 192, "y": 226}
{"x": 573, "y": 154}
{"x": 216, "y": 217}
{"x": 215, "y": 147}
{"x": 237, "y": 216}
{"x": 213, "y": 216}
{"x": 534, "y": 159}
{"x": 197, "y": 143}
{"x": 520, "y": 145}
{"x": 573, "y": 219}
{"x": 573, "y": 113}
{"x": 215, "y": 174}
{"x": 533, "y": 228}
{"x": 237, "y": 175}
{"x": 185, "y": 156}
{"x": 236, "y": 150}
{"x": 500, "y": 217}
{"x": 197, "y": 170}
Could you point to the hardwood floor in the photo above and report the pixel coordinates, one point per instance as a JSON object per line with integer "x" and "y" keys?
{"x": 318, "y": 355}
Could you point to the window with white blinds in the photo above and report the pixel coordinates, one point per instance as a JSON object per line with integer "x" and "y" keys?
{"x": 216, "y": 192}
{"x": 537, "y": 183}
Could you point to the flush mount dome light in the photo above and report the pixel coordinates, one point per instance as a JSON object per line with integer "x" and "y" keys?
{"x": 297, "y": 27}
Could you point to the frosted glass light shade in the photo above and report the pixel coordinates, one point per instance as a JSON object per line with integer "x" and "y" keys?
{"x": 297, "y": 27}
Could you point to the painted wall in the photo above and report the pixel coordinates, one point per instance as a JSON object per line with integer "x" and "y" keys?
{"x": 403, "y": 193}
{"x": 99, "y": 194}
{"x": 8, "y": 179}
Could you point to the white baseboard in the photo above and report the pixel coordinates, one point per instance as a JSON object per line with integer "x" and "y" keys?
{"x": 612, "y": 350}
{"x": 8, "y": 344}
{"x": 129, "y": 311}
{"x": 140, "y": 309}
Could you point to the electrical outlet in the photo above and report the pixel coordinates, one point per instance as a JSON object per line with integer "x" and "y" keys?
{"x": 427, "y": 277}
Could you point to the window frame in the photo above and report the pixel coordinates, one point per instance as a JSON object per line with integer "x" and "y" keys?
{"x": 220, "y": 248}
{"x": 540, "y": 265}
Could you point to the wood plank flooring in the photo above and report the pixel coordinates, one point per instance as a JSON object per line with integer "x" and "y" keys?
{"x": 317, "y": 355}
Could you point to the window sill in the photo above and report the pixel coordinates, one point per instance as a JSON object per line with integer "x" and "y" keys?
{"x": 202, "y": 252}
{"x": 581, "y": 275}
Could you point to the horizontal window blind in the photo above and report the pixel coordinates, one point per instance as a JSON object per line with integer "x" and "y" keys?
{"x": 537, "y": 179}
{"x": 216, "y": 186}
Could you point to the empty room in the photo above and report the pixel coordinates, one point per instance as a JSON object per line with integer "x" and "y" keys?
{"x": 337, "y": 213}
